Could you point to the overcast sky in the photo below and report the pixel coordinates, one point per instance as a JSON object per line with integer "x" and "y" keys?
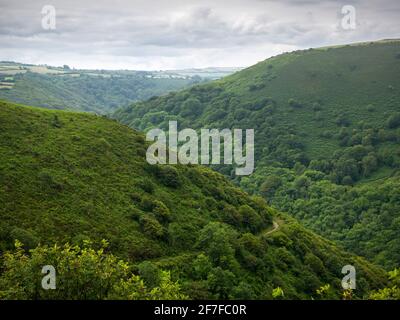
{"x": 174, "y": 34}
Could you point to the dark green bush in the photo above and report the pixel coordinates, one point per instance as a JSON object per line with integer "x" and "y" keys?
{"x": 169, "y": 176}
{"x": 393, "y": 121}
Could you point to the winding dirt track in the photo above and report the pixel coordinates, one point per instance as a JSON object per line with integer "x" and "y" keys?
{"x": 275, "y": 228}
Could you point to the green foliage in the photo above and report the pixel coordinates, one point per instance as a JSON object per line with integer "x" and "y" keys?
{"x": 251, "y": 218}
{"x": 85, "y": 91}
{"x": 270, "y": 185}
{"x": 151, "y": 226}
{"x": 145, "y": 185}
{"x": 325, "y": 292}
{"x": 201, "y": 266}
{"x": 277, "y": 293}
{"x": 150, "y": 274}
{"x": 326, "y": 137}
{"x": 161, "y": 211}
{"x": 392, "y": 292}
{"x": 294, "y": 104}
{"x": 314, "y": 263}
{"x": 82, "y": 273}
{"x": 27, "y": 237}
{"x": 169, "y": 176}
{"x": 221, "y": 282}
{"x": 393, "y": 121}
{"x": 218, "y": 241}
{"x": 189, "y": 221}
{"x": 190, "y": 107}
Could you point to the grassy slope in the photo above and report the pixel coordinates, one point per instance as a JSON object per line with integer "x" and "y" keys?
{"x": 67, "y": 176}
{"x": 345, "y": 79}
{"x": 86, "y": 93}
{"x": 358, "y": 83}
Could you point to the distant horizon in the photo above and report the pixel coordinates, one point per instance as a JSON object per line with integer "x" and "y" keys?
{"x": 156, "y": 35}
{"x": 101, "y": 69}
{"x": 198, "y": 68}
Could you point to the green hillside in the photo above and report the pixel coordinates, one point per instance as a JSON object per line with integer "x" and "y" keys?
{"x": 69, "y": 177}
{"x": 327, "y": 126}
{"x": 97, "y": 91}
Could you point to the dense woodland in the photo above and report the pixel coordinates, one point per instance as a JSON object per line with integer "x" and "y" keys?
{"x": 78, "y": 194}
{"x": 327, "y": 125}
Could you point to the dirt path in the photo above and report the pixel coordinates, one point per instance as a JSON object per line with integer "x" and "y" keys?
{"x": 275, "y": 228}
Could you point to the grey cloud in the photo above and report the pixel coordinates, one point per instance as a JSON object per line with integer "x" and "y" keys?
{"x": 179, "y": 33}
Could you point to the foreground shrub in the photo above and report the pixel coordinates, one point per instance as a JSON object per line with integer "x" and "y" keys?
{"x": 81, "y": 273}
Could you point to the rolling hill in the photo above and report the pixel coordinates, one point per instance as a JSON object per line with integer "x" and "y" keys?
{"x": 99, "y": 91}
{"x": 69, "y": 177}
{"x": 327, "y": 134}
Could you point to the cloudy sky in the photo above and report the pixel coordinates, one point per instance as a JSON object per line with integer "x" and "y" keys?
{"x": 175, "y": 34}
